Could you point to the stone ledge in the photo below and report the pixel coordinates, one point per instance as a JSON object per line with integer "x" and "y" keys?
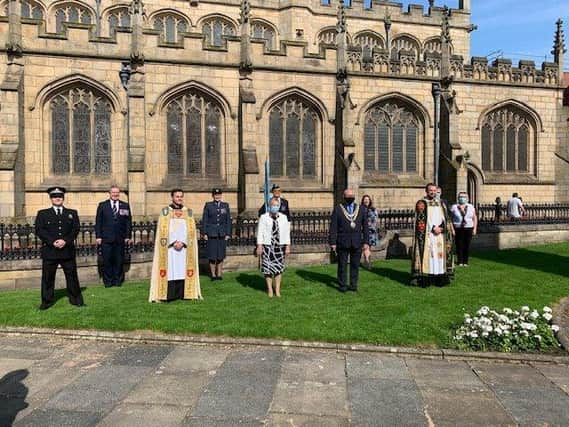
{"x": 148, "y": 337}
{"x": 561, "y": 319}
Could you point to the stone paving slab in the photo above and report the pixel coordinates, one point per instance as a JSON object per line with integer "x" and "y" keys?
{"x": 557, "y": 374}
{"x": 220, "y": 422}
{"x": 140, "y": 355}
{"x": 175, "y": 390}
{"x": 243, "y": 387}
{"x": 99, "y": 390}
{"x": 444, "y": 374}
{"x": 7, "y": 366}
{"x": 131, "y": 414}
{"x": 376, "y": 366}
{"x": 296, "y": 420}
{"x": 464, "y": 408}
{"x": 189, "y": 358}
{"x": 59, "y": 418}
{"x": 379, "y": 402}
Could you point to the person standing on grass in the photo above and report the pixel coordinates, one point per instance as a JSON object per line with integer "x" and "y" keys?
{"x": 465, "y": 224}
{"x": 349, "y": 236}
{"x": 216, "y": 230}
{"x": 58, "y": 227}
{"x": 284, "y": 209}
{"x": 175, "y": 268}
{"x": 372, "y": 223}
{"x": 113, "y": 228}
{"x": 432, "y": 260}
{"x": 273, "y": 243}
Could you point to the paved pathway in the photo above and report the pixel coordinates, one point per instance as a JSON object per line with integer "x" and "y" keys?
{"x": 57, "y": 382}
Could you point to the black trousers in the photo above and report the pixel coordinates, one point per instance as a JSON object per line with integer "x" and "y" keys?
{"x": 354, "y": 254}
{"x": 175, "y": 289}
{"x": 49, "y": 268}
{"x": 463, "y": 237}
{"x": 113, "y": 263}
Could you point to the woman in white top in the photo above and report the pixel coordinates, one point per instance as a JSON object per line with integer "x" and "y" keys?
{"x": 465, "y": 224}
{"x": 273, "y": 242}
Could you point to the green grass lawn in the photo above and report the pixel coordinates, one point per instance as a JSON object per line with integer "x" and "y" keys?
{"x": 384, "y": 311}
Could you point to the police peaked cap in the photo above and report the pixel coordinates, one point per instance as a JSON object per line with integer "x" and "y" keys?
{"x": 56, "y": 191}
{"x": 215, "y": 191}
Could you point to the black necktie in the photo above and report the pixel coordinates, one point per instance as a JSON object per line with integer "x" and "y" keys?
{"x": 115, "y": 209}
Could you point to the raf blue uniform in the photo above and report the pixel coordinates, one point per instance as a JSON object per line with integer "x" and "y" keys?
{"x": 216, "y": 225}
{"x": 51, "y": 226}
{"x": 113, "y": 228}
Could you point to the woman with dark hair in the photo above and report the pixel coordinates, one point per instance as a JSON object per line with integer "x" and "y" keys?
{"x": 372, "y": 222}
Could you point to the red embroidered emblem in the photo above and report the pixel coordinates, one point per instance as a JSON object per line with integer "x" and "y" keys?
{"x": 421, "y": 226}
{"x": 190, "y": 273}
{"x": 162, "y": 273}
{"x": 178, "y": 213}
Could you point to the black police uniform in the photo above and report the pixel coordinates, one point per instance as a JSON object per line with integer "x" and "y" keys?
{"x": 349, "y": 240}
{"x": 113, "y": 228}
{"x": 216, "y": 225}
{"x": 51, "y": 227}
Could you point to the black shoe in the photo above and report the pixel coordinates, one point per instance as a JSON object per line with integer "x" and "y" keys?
{"x": 45, "y": 306}
{"x": 108, "y": 285}
{"x": 213, "y": 278}
{"x": 219, "y": 278}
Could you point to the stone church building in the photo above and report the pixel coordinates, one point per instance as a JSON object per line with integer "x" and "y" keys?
{"x": 156, "y": 94}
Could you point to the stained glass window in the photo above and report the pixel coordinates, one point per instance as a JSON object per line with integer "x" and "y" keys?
{"x": 293, "y": 139}
{"x": 195, "y": 131}
{"x": 72, "y": 13}
{"x": 506, "y": 141}
{"x": 80, "y": 133}
{"x": 119, "y": 17}
{"x": 170, "y": 27}
{"x": 262, "y": 31}
{"x": 215, "y": 28}
{"x": 391, "y": 139}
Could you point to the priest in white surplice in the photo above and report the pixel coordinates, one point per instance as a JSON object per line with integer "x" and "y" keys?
{"x": 175, "y": 272}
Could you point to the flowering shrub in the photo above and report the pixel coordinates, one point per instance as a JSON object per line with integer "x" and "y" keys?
{"x": 510, "y": 330}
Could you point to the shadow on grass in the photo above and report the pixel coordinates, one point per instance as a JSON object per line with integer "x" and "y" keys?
{"x": 313, "y": 276}
{"x": 531, "y": 260}
{"x": 253, "y": 281}
{"x": 401, "y": 277}
{"x": 62, "y": 293}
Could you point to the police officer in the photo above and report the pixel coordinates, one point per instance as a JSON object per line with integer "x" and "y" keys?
{"x": 58, "y": 227}
{"x": 216, "y": 229}
{"x": 283, "y": 203}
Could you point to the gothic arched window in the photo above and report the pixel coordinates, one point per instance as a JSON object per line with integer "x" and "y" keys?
{"x": 391, "y": 139}
{"x": 170, "y": 27}
{"x": 80, "y": 132}
{"x": 506, "y": 135}
{"x": 195, "y": 126}
{"x": 294, "y": 127}
{"x": 328, "y": 36}
{"x": 260, "y": 30}
{"x": 405, "y": 46}
{"x": 215, "y": 28}
{"x": 72, "y": 13}
{"x": 28, "y": 9}
{"x": 119, "y": 17}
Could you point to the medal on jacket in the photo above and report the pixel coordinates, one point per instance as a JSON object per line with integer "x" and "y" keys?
{"x": 351, "y": 216}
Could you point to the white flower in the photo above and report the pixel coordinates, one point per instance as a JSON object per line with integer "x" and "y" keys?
{"x": 524, "y": 333}
{"x": 526, "y": 326}
{"x": 537, "y": 337}
{"x": 507, "y": 310}
{"x": 474, "y": 334}
{"x": 484, "y": 334}
{"x": 546, "y": 309}
{"x": 547, "y": 316}
{"x": 534, "y": 314}
{"x": 468, "y": 321}
{"x": 525, "y": 308}
{"x": 554, "y": 328}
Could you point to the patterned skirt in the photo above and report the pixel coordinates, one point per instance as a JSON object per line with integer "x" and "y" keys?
{"x": 272, "y": 261}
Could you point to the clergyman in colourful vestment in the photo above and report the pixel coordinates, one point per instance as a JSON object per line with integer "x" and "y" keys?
{"x": 175, "y": 268}
{"x": 432, "y": 261}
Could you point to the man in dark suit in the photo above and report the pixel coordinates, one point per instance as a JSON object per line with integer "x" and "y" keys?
{"x": 349, "y": 235}
{"x": 216, "y": 229}
{"x": 276, "y": 191}
{"x": 58, "y": 227}
{"x": 113, "y": 227}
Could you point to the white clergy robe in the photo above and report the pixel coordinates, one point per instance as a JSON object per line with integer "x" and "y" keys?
{"x": 177, "y": 259}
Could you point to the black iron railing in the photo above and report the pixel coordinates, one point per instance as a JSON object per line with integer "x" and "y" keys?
{"x": 19, "y": 242}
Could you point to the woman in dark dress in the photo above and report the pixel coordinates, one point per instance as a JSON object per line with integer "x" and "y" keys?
{"x": 373, "y": 223}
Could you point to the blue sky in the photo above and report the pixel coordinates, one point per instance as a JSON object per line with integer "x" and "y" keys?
{"x": 520, "y": 29}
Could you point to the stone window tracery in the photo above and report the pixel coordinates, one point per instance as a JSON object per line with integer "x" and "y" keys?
{"x": 261, "y": 30}
{"x": 28, "y": 10}
{"x": 215, "y": 28}
{"x": 405, "y": 46}
{"x": 194, "y": 135}
{"x": 119, "y": 17}
{"x": 80, "y": 133}
{"x": 71, "y": 13}
{"x": 170, "y": 27}
{"x": 506, "y": 135}
{"x": 328, "y": 36}
{"x": 391, "y": 139}
{"x": 293, "y": 139}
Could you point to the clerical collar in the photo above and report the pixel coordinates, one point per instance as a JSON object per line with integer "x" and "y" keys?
{"x": 175, "y": 206}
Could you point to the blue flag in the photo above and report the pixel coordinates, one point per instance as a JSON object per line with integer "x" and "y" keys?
{"x": 267, "y": 186}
